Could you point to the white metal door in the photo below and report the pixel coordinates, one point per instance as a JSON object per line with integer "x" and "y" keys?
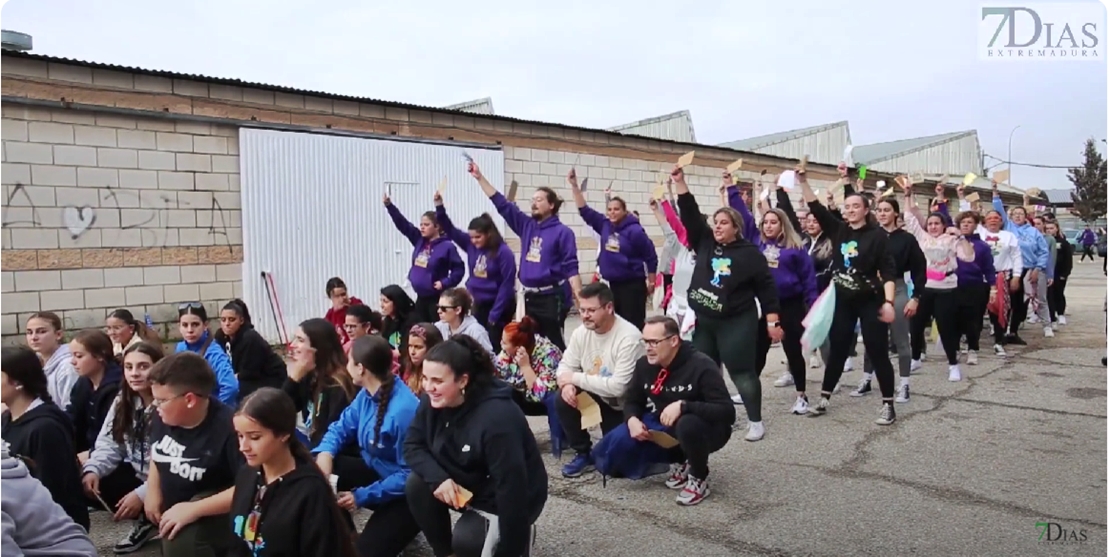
{"x": 312, "y": 209}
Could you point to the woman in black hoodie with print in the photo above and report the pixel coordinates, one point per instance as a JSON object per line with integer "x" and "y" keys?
{"x": 39, "y": 432}
{"x": 283, "y": 505}
{"x": 730, "y": 273}
{"x": 255, "y": 363}
{"x": 470, "y": 449}
{"x": 863, "y": 275}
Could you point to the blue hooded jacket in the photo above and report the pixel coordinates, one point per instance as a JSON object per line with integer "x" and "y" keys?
{"x": 385, "y": 456}
{"x": 227, "y": 385}
{"x": 1034, "y": 248}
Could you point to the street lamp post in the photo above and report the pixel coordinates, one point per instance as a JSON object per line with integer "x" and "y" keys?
{"x": 1010, "y": 154}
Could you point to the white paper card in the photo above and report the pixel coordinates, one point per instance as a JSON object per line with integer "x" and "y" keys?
{"x": 786, "y": 179}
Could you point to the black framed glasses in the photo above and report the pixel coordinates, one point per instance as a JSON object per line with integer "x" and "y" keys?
{"x": 653, "y": 342}
{"x": 446, "y": 308}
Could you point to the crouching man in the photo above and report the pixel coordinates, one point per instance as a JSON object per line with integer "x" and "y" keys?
{"x": 678, "y": 411}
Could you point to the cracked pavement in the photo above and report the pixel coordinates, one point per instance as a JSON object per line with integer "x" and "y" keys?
{"x": 969, "y": 468}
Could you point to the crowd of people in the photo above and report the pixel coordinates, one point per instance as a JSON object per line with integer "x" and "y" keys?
{"x": 417, "y": 409}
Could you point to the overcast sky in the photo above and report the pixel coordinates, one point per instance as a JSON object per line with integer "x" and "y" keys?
{"x": 894, "y": 70}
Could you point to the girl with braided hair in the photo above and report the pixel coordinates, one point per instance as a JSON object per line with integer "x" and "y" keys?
{"x": 377, "y": 420}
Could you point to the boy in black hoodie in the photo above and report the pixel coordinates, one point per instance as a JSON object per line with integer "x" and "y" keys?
{"x": 684, "y": 390}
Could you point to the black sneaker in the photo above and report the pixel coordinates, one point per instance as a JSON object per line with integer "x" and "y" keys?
{"x": 886, "y": 415}
{"x": 1014, "y": 339}
{"x": 863, "y": 388}
{"x": 141, "y": 532}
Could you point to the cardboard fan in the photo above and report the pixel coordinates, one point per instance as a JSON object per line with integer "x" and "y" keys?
{"x": 736, "y": 165}
{"x": 513, "y": 186}
{"x": 442, "y": 186}
{"x": 1001, "y": 176}
{"x": 1034, "y": 192}
{"x": 686, "y": 160}
{"x": 972, "y": 197}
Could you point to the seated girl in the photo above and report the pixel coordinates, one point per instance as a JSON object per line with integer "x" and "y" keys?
{"x": 455, "y": 305}
{"x": 282, "y": 506}
{"x": 377, "y": 421}
{"x": 499, "y": 477}
{"x": 528, "y": 362}
{"x": 45, "y": 336}
{"x": 125, "y": 330}
{"x": 192, "y": 321}
{"x": 116, "y": 471}
{"x": 317, "y": 379}
{"x": 39, "y": 432}
{"x": 253, "y": 360}
{"x": 96, "y": 389}
{"x": 422, "y": 337}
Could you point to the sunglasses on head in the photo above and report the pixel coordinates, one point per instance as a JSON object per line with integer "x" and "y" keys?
{"x": 190, "y": 305}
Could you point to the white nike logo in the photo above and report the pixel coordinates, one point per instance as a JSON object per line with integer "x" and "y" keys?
{"x": 166, "y": 459}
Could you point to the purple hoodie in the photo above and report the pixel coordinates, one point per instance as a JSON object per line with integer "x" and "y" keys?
{"x": 433, "y": 261}
{"x": 548, "y": 252}
{"x": 978, "y": 272}
{"x": 748, "y": 230}
{"x": 492, "y": 276}
{"x": 626, "y": 247}
{"x": 792, "y": 268}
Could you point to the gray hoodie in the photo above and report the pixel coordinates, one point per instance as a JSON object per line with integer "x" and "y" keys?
{"x": 33, "y": 524}
{"x": 471, "y": 328}
{"x": 107, "y": 454}
{"x": 60, "y": 376}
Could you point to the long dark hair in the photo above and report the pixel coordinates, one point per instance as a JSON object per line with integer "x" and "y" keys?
{"x": 330, "y": 365}
{"x": 375, "y": 355}
{"x": 409, "y": 372}
{"x": 273, "y": 409}
{"x": 98, "y": 345}
{"x": 464, "y": 356}
{"x": 403, "y": 307}
{"x": 123, "y": 421}
{"x": 240, "y": 308}
{"x": 23, "y": 366}
{"x": 483, "y": 224}
{"x": 138, "y": 328}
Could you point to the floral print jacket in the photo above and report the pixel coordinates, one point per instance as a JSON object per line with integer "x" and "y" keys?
{"x": 545, "y": 361}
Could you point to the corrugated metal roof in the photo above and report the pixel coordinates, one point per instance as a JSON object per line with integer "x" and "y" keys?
{"x": 1059, "y": 197}
{"x": 875, "y": 152}
{"x": 780, "y": 137}
{"x": 682, "y": 119}
{"x": 478, "y": 106}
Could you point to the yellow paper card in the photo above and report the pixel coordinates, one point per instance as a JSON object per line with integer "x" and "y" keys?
{"x": 735, "y": 165}
{"x": 591, "y": 412}
{"x": 442, "y": 185}
{"x": 464, "y": 497}
{"x": 969, "y": 178}
{"x": 803, "y": 162}
{"x": 972, "y": 197}
{"x": 663, "y": 440}
{"x": 1034, "y": 192}
{"x": 686, "y": 160}
{"x": 918, "y": 178}
{"x": 1001, "y": 176}
{"x": 658, "y": 193}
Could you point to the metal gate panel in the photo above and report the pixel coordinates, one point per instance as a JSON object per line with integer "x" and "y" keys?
{"x": 312, "y": 209}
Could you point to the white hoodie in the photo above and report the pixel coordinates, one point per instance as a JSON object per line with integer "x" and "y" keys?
{"x": 60, "y": 376}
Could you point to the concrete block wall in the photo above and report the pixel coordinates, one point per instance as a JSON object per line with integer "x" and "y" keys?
{"x": 104, "y": 212}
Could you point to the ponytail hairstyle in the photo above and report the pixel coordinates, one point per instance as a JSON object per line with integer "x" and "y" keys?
{"x": 24, "y": 368}
{"x": 375, "y": 355}
{"x": 98, "y": 345}
{"x": 123, "y": 421}
{"x": 238, "y": 307}
{"x": 431, "y": 216}
{"x": 412, "y": 374}
{"x": 483, "y": 224}
{"x": 464, "y": 356}
{"x": 522, "y": 333}
{"x": 273, "y": 409}
{"x": 138, "y": 328}
{"x": 552, "y": 198}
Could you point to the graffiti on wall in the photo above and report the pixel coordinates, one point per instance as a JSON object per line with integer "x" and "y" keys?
{"x": 79, "y": 219}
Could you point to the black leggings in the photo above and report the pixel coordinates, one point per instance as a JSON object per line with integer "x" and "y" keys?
{"x": 699, "y": 439}
{"x": 571, "y": 419}
{"x": 733, "y": 341}
{"x": 630, "y": 300}
{"x": 549, "y": 310}
{"x": 942, "y": 306}
{"x": 842, "y": 336}
{"x": 427, "y": 308}
{"x": 971, "y": 303}
{"x": 115, "y": 486}
{"x": 1057, "y": 303}
{"x": 1019, "y": 308}
{"x": 434, "y": 517}
{"x": 496, "y": 330}
{"x": 391, "y": 527}
{"x": 791, "y": 313}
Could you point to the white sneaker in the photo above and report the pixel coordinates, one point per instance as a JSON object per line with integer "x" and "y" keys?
{"x": 801, "y": 406}
{"x": 903, "y": 393}
{"x": 849, "y": 364}
{"x": 1055, "y": 326}
{"x": 999, "y": 351}
{"x": 737, "y": 399}
{"x": 972, "y": 357}
{"x": 1062, "y": 320}
{"x": 785, "y": 380}
{"x": 954, "y": 373}
{"x": 916, "y": 364}
{"x": 814, "y": 362}
{"x": 1048, "y": 332}
{"x": 1033, "y": 319}
{"x": 755, "y": 431}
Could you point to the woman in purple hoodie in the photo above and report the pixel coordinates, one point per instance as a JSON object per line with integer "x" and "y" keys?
{"x": 436, "y": 265}
{"x": 492, "y": 265}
